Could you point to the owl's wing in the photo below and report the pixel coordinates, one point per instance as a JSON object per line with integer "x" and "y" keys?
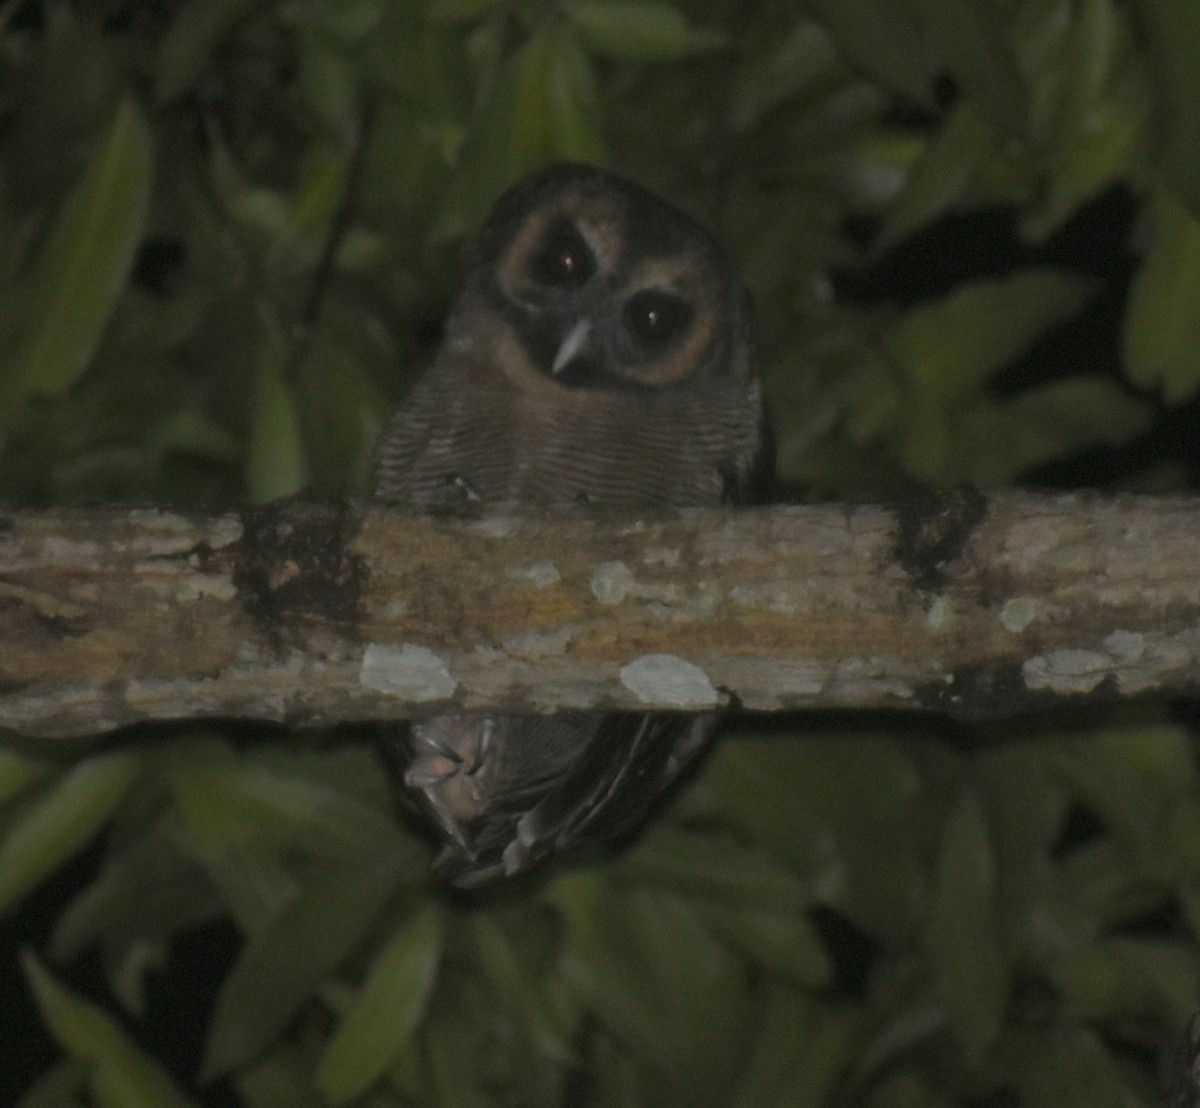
{"x": 527, "y": 787}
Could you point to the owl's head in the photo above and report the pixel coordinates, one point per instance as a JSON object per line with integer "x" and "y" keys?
{"x": 604, "y": 286}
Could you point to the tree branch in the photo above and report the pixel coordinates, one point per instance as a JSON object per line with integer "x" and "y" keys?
{"x": 318, "y": 614}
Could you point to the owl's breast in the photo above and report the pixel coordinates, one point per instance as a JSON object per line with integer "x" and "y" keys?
{"x": 495, "y": 443}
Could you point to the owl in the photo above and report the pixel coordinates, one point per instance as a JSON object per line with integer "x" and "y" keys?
{"x": 597, "y": 354}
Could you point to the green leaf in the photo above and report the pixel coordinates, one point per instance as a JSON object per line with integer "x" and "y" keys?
{"x": 972, "y": 979}
{"x": 119, "y": 1074}
{"x": 1172, "y": 34}
{"x": 695, "y": 863}
{"x": 798, "y": 64}
{"x": 349, "y": 24}
{"x": 972, "y": 38}
{"x": 280, "y": 1078}
{"x": 801, "y": 1048}
{"x": 700, "y": 984}
{"x": 996, "y": 442}
{"x": 58, "y": 824}
{"x": 1061, "y": 1066}
{"x": 1095, "y": 118}
{"x": 598, "y": 966}
{"x": 248, "y": 819}
{"x": 278, "y": 803}
{"x": 279, "y": 968}
{"x": 1162, "y": 320}
{"x": 504, "y": 963}
{"x": 907, "y": 1089}
{"x": 1026, "y": 803}
{"x": 16, "y": 773}
{"x": 319, "y": 189}
{"x": 190, "y": 431}
{"x": 504, "y": 140}
{"x": 187, "y": 49}
{"x": 912, "y": 1020}
{"x": 64, "y": 1085}
{"x": 1085, "y": 162}
{"x": 386, "y": 1011}
{"x": 943, "y": 174}
{"x": 276, "y": 465}
{"x": 452, "y": 1063}
{"x": 863, "y": 852}
{"x": 639, "y": 31}
{"x": 741, "y": 890}
{"x": 1131, "y": 777}
{"x": 331, "y": 84}
{"x": 146, "y": 893}
{"x": 1124, "y": 978}
{"x": 654, "y": 976}
{"x": 532, "y": 132}
{"x": 884, "y": 39}
{"x": 460, "y": 10}
{"x": 575, "y": 104}
{"x": 541, "y": 105}
{"x": 238, "y": 848}
{"x": 786, "y": 945}
{"x": 1071, "y": 64}
{"x": 80, "y": 275}
{"x": 343, "y": 412}
{"x": 952, "y": 345}
{"x": 1097, "y": 889}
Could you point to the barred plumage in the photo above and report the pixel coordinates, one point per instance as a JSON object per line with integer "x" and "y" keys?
{"x": 598, "y": 353}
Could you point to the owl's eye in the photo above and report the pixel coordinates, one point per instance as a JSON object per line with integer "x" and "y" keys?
{"x": 563, "y": 258}
{"x": 655, "y": 317}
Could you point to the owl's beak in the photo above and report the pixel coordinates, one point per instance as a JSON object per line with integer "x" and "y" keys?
{"x": 575, "y": 340}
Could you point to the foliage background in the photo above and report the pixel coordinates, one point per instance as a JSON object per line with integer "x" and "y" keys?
{"x": 228, "y": 232}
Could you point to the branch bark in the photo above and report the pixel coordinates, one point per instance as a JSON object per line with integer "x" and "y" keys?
{"x": 318, "y": 614}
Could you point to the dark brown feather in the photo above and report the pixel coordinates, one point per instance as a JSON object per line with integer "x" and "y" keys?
{"x": 495, "y": 420}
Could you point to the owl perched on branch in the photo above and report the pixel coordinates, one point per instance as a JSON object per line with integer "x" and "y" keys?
{"x": 598, "y": 353}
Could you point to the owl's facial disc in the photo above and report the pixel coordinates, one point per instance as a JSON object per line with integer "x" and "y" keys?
{"x": 605, "y": 295}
